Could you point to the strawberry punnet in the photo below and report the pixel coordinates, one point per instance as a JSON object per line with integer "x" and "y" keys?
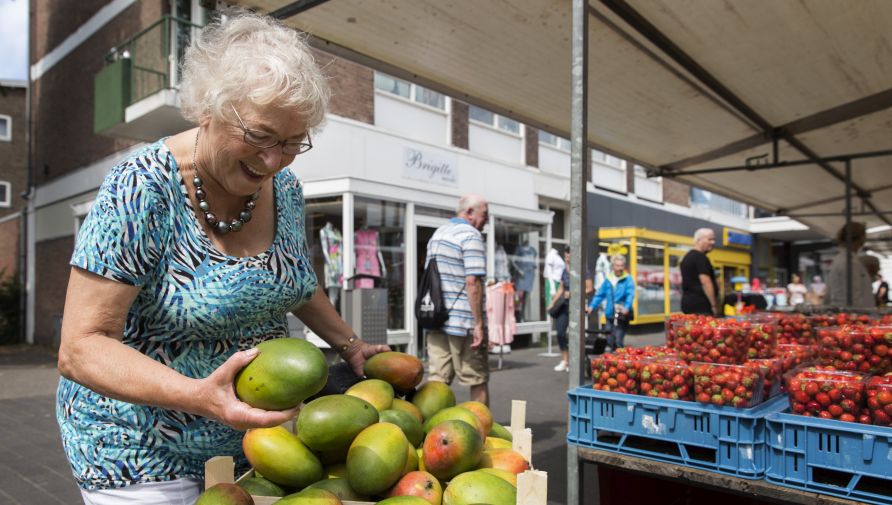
{"x": 828, "y": 393}
{"x": 878, "y": 390}
{"x": 666, "y": 378}
{"x": 734, "y": 385}
{"x": 856, "y": 348}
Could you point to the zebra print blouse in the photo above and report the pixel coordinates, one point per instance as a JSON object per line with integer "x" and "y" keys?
{"x": 195, "y": 308}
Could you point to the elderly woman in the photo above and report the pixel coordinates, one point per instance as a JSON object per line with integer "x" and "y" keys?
{"x": 617, "y": 293}
{"x": 193, "y": 252}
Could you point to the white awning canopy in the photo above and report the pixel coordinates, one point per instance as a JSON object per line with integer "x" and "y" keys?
{"x": 676, "y": 85}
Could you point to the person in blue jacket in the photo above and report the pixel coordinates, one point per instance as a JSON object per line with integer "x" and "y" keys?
{"x": 618, "y": 291}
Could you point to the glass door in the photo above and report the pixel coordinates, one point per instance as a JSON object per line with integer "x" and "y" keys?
{"x": 673, "y": 280}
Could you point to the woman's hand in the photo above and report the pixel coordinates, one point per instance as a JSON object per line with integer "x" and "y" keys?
{"x": 219, "y": 401}
{"x": 359, "y": 352}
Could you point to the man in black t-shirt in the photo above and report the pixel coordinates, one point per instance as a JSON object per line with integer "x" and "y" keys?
{"x": 699, "y": 292}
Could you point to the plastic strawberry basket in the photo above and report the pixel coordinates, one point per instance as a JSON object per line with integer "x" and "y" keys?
{"x": 720, "y": 439}
{"x": 838, "y": 458}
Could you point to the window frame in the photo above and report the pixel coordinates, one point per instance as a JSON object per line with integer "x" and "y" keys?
{"x": 7, "y": 203}
{"x": 495, "y": 124}
{"x": 557, "y": 141}
{"x": 8, "y": 136}
{"x": 413, "y": 93}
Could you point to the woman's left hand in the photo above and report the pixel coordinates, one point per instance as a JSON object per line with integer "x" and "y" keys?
{"x": 359, "y": 352}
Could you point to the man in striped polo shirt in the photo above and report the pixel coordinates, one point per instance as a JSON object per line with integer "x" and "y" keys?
{"x": 461, "y": 347}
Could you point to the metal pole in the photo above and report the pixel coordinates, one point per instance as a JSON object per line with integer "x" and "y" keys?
{"x": 848, "y": 244}
{"x": 579, "y": 164}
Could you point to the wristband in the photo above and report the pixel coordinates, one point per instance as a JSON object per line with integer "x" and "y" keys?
{"x": 350, "y": 341}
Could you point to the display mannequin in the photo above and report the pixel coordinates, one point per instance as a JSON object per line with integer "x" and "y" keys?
{"x": 554, "y": 268}
{"x": 500, "y": 265}
{"x": 369, "y": 259}
{"x": 332, "y": 242}
{"x": 524, "y": 263}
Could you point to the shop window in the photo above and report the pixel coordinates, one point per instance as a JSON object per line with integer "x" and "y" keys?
{"x": 324, "y": 223}
{"x": 488, "y": 118}
{"x": 5, "y": 128}
{"x": 410, "y": 91}
{"x": 649, "y": 279}
{"x": 548, "y": 139}
{"x": 380, "y": 252}
{"x": 518, "y": 260}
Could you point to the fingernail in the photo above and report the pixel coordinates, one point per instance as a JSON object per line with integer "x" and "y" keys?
{"x": 252, "y": 351}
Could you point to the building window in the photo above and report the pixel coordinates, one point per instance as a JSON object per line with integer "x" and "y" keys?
{"x": 649, "y": 188}
{"x": 554, "y": 141}
{"x": 410, "y": 91}
{"x": 5, "y": 128}
{"x": 708, "y": 200}
{"x": 80, "y": 211}
{"x": 607, "y": 159}
{"x": 491, "y": 119}
{"x": 5, "y": 194}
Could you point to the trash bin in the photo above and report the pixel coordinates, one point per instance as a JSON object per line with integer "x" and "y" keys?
{"x": 365, "y": 309}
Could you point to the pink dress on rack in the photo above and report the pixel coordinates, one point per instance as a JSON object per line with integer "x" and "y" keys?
{"x": 365, "y": 242}
{"x": 500, "y": 313}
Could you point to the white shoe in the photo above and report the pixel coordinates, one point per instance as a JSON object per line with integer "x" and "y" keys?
{"x": 506, "y": 349}
{"x": 562, "y": 366}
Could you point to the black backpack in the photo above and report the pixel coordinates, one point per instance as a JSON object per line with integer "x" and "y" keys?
{"x": 430, "y": 309}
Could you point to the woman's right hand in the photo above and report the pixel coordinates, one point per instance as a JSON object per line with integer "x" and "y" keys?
{"x": 218, "y": 400}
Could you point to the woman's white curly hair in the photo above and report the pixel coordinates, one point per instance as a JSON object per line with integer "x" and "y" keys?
{"x": 245, "y": 57}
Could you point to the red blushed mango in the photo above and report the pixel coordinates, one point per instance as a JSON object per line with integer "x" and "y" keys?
{"x": 226, "y": 494}
{"x": 421, "y": 484}
{"x": 450, "y": 448}
{"x": 456, "y": 414}
{"x": 484, "y": 415}
{"x": 504, "y": 459}
{"x": 403, "y": 371}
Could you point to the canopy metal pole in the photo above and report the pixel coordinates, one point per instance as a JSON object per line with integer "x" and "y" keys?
{"x": 848, "y": 233}
{"x": 579, "y": 163}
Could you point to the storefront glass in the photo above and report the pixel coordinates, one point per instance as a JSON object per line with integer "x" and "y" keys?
{"x": 380, "y": 253}
{"x": 649, "y": 278}
{"x": 518, "y": 260}
{"x": 325, "y": 220}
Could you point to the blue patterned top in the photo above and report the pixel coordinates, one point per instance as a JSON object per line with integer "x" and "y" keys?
{"x": 195, "y": 308}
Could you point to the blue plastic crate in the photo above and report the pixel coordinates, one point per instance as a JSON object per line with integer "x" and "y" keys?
{"x": 832, "y": 457}
{"x": 719, "y": 439}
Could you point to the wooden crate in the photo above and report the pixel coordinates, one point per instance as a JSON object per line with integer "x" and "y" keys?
{"x": 532, "y": 485}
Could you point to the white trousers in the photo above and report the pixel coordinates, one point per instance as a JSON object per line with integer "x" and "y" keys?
{"x": 175, "y": 492}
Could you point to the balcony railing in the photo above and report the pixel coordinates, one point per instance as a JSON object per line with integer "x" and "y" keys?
{"x": 139, "y": 67}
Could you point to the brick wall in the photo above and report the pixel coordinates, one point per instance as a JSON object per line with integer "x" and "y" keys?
{"x": 9, "y": 246}
{"x": 676, "y": 192}
{"x": 531, "y": 144}
{"x": 50, "y": 285}
{"x": 14, "y": 154}
{"x": 352, "y": 87}
{"x": 459, "y": 124}
{"x": 62, "y": 99}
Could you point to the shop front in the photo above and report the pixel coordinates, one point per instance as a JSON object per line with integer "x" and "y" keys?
{"x": 368, "y": 242}
{"x": 653, "y": 259}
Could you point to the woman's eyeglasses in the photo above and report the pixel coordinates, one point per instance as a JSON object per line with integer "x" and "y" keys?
{"x": 266, "y": 141}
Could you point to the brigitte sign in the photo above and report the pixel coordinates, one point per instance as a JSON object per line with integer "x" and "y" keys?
{"x": 429, "y": 167}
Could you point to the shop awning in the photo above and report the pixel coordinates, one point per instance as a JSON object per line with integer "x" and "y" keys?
{"x": 676, "y": 86}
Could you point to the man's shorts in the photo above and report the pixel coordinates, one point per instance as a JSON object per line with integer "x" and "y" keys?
{"x": 452, "y": 356}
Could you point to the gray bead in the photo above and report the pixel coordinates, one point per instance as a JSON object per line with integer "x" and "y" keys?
{"x": 200, "y": 194}
{"x": 250, "y": 205}
{"x": 197, "y": 182}
{"x": 245, "y": 216}
{"x": 236, "y": 225}
{"x": 210, "y": 218}
{"x": 222, "y": 228}
{"x": 204, "y": 206}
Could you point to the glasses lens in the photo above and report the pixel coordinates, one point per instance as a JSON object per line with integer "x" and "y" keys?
{"x": 293, "y": 148}
{"x": 258, "y": 139}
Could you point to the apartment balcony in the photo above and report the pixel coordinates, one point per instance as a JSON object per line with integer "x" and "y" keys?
{"x": 135, "y": 93}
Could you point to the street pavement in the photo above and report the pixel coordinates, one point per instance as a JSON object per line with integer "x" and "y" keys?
{"x": 34, "y": 471}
